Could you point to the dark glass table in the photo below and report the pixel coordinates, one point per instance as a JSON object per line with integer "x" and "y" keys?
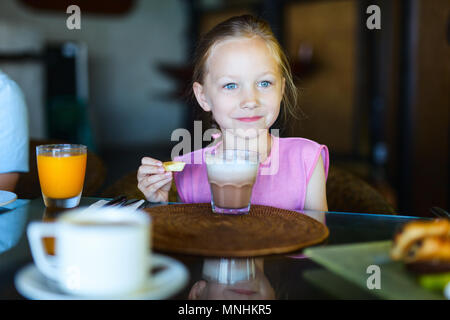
{"x": 287, "y": 276}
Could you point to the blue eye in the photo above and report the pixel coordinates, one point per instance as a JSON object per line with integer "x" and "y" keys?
{"x": 230, "y": 86}
{"x": 264, "y": 84}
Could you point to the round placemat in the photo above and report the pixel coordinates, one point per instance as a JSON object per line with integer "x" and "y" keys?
{"x": 195, "y": 229}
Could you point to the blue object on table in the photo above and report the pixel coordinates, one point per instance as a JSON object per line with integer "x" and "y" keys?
{"x": 13, "y": 219}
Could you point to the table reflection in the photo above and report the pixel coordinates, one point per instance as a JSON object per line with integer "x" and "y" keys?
{"x": 270, "y": 277}
{"x": 317, "y": 215}
{"x": 232, "y": 279}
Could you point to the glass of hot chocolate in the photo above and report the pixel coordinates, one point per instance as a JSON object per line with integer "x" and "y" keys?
{"x": 231, "y": 175}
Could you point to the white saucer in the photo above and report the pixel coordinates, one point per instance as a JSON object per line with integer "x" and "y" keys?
{"x": 7, "y": 197}
{"x": 32, "y": 284}
{"x": 447, "y": 291}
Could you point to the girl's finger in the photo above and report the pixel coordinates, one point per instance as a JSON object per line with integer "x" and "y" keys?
{"x": 145, "y": 184}
{"x": 145, "y": 170}
{"x": 158, "y": 185}
{"x": 151, "y": 161}
{"x": 148, "y": 181}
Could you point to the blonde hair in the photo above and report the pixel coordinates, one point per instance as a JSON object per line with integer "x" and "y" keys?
{"x": 247, "y": 26}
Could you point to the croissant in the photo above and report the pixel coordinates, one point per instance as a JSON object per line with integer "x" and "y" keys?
{"x": 423, "y": 240}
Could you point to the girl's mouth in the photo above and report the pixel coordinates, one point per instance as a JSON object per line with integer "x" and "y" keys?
{"x": 243, "y": 292}
{"x": 252, "y": 119}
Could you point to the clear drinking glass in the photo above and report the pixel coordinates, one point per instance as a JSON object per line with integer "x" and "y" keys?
{"x": 229, "y": 270}
{"x": 61, "y": 169}
{"x": 231, "y": 176}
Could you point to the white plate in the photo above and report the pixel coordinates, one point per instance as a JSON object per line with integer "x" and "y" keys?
{"x": 7, "y": 197}
{"x": 32, "y": 284}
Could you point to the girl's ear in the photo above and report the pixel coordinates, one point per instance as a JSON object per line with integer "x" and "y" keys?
{"x": 200, "y": 96}
{"x": 283, "y": 85}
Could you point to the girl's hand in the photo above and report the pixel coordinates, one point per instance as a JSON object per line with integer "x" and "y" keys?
{"x": 153, "y": 181}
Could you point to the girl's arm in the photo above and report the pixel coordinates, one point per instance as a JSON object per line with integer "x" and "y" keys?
{"x": 8, "y": 181}
{"x": 316, "y": 196}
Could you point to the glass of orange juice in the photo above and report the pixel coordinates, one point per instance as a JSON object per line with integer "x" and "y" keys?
{"x": 61, "y": 169}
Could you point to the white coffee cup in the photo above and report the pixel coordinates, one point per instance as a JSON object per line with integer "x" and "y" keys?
{"x": 103, "y": 252}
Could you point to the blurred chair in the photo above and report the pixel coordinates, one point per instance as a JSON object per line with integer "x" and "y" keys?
{"x": 348, "y": 193}
{"x": 345, "y": 193}
{"x": 28, "y": 185}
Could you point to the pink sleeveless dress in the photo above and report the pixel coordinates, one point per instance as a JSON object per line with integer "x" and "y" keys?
{"x": 281, "y": 181}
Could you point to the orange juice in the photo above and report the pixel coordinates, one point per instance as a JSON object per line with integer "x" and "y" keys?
{"x": 61, "y": 176}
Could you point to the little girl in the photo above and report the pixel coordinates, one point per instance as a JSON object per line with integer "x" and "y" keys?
{"x": 242, "y": 77}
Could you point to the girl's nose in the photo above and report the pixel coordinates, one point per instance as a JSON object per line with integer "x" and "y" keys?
{"x": 250, "y": 100}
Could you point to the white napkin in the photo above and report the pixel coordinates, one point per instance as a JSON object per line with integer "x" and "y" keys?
{"x": 101, "y": 203}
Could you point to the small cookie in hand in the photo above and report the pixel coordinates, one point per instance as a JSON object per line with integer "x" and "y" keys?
{"x": 173, "y": 165}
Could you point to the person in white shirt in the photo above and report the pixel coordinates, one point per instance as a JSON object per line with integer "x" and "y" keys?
{"x": 13, "y": 133}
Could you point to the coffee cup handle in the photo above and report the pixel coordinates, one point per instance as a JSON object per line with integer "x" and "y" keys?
{"x": 36, "y": 231}
{"x": 172, "y": 269}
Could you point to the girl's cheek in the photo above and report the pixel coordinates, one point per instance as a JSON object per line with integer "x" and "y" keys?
{"x": 269, "y": 121}
{"x": 226, "y": 103}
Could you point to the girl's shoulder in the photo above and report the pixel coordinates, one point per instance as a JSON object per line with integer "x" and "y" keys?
{"x": 305, "y": 150}
{"x": 300, "y": 144}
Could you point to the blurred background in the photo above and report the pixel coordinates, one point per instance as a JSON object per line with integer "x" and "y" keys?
{"x": 379, "y": 99}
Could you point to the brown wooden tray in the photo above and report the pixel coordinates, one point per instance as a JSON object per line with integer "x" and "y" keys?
{"x": 195, "y": 229}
